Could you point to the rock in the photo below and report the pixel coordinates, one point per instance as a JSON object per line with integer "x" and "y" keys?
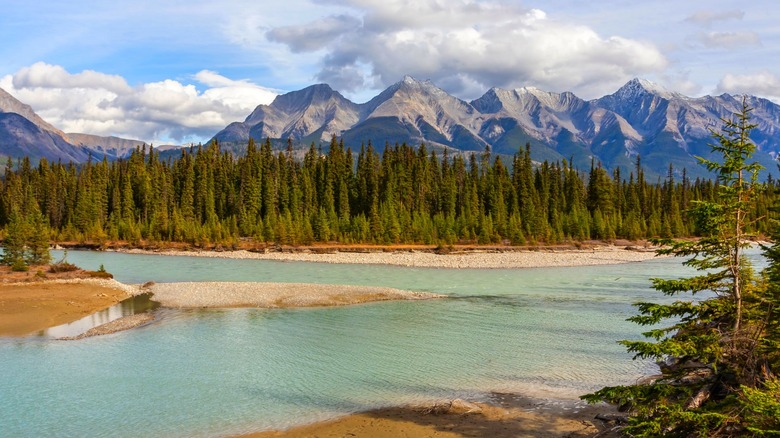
{"x": 459, "y": 406}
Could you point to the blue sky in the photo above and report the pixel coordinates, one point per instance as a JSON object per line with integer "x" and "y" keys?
{"x": 172, "y": 71}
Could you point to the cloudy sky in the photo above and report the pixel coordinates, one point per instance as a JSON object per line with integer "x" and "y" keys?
{"x": 177, "y": 71}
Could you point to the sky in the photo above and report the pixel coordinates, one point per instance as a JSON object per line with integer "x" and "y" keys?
{"x": 177, "y": 72}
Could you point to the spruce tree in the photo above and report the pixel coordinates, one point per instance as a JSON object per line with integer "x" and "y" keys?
{"x": 708, "y": 350}
{"x": 14, "y": 242}
{"x": 37, "y": 240}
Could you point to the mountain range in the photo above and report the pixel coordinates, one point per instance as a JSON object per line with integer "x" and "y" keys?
{"x": 641, "y": 118}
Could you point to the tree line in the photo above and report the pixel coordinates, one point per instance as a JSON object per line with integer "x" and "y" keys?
{"x": 406, "y": 195}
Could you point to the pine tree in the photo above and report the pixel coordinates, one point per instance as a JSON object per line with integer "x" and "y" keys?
{"x": 708, "y": 350}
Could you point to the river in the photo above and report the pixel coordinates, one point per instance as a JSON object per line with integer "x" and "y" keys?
{"x": 545, "y": 332}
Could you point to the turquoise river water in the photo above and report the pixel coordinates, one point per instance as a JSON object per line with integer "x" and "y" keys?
{"x": 545, "y": 332}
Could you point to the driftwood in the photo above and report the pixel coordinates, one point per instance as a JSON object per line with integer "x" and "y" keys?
{"x": 702, "y": 396}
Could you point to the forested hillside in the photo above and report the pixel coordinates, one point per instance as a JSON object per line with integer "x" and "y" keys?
{"x": 402, "y": 194}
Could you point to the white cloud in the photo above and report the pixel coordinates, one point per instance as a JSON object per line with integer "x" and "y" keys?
{"x": 707, "y": 17}
{"x": 760, "y": 84}
{"x": 241, "y": 95}
{"x": 728, "y": 40}
{"x": 42, "y": 75}
{"x": 101, "y": 104}
{"x": 467, "y": 44}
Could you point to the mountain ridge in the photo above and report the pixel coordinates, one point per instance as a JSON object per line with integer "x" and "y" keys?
{"x": 641, "y": 118}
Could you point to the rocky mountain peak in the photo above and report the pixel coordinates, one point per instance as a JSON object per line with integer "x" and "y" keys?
{"x": 412, "y": 85}
{"x": 299, "y": 100}
{"x": 637, "y": 88}
{"x": 545, "y": 98}
{"x": 490, "y": 102}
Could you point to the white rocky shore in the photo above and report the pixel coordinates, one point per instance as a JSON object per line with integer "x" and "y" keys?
{"x": 603, "y": 255}
{"x": 274, "y": 295}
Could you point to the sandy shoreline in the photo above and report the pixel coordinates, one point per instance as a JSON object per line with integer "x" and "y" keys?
{"x": 476, "y": 259}
{"x": 30, "y": 307}
{"x": 506, "y": 416}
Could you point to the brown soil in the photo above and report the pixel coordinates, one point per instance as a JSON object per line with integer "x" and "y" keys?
{"x": 29, "y": 303}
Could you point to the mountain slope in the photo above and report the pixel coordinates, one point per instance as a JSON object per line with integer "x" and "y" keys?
{"x": 425, "y": 111}
{"x": 20, "y": 137}
{"x": 112, "y": 148}
{"x": 24, "y": 134}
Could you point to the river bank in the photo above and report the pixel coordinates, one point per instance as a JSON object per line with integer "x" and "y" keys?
{"x": 474, "y": 258}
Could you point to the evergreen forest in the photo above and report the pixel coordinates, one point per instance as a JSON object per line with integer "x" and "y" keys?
{"x": 404, "y": 195}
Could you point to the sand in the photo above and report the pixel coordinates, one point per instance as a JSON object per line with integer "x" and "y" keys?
{"x": 473, "y": 259}
{"x": 26, "y": 308}
{"x": 509, "y": 416}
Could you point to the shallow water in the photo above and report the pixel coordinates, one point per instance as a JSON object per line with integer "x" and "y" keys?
{"x": 130, "y": 306}
{"x": 214, "y": 372}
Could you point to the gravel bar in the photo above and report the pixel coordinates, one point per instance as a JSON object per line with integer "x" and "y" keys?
{"x": 470, "y": 260}
{"x": 273, "y": 295}
{"x": 117, "y": 325}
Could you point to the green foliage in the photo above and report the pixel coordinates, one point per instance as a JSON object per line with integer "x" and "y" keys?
{"x": 13, "y": 244}
{"x": 26, "y": 240}
{"x": 762, "y": 408}
{"x": 19, "y": 265}
{"x": 38, "y": 240}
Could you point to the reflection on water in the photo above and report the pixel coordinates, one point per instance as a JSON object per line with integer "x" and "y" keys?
{"x": 130, "y": 306}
